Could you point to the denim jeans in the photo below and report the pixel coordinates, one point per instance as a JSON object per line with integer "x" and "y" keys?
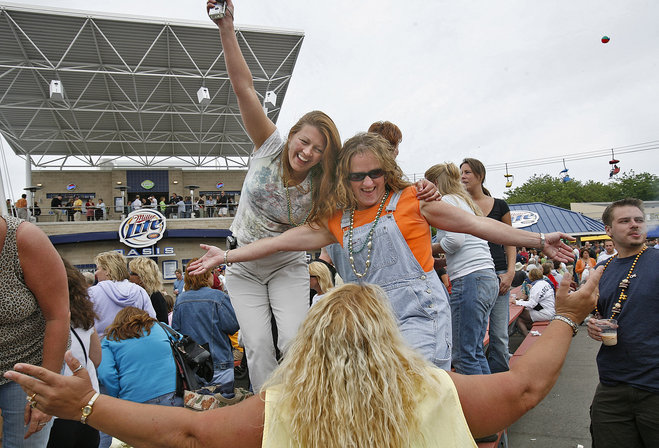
{"x": 170, "y": 399}
{"x": 498, "y": 355}
{"x": 472, "y": 298}
{"x": 12, "y": 404}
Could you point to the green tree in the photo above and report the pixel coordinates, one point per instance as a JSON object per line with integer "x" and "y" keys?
{"x": 551, "y": 190}
{"x": 644, "y": 186}
{"x": 547, "y": 189}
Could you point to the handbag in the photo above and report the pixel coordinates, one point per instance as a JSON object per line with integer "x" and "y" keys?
{"x": 205, "y": 398}
{"x": 192, "y": 360}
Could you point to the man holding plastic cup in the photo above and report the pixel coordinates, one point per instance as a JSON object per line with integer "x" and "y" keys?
{"x": 625, "y": 409}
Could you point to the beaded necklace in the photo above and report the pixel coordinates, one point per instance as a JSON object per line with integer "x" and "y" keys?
{"x": 288, "y": 200}
{"x": 624, "y": 284}
{"x": 369, "y": 240}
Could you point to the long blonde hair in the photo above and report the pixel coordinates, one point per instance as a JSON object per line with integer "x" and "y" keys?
{"x": 348, "y": 379}
{"x": 447, "y": 178}
{"x": 322, "y": 272}
{"x": 149, "y": 274}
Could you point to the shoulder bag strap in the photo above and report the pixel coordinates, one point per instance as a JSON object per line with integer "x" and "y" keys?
{"x": 172, "y": 334}
{"x": 81, "y": 345}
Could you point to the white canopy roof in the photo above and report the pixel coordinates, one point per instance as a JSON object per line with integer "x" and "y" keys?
{"x": 129, "y": 88}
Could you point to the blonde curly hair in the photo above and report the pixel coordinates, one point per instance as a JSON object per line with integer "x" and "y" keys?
{"x": 348, "y": 379}
{"x": 114, "y": 265}
{"x": 149, "y": 274}
{"x": 322, "y": 272}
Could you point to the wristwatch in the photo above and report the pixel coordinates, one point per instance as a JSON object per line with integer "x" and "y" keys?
{"x": 570, "y": 322}
{"x": 87, "y": 410}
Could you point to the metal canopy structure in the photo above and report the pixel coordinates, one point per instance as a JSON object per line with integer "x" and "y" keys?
{"x": 129, "y": 88}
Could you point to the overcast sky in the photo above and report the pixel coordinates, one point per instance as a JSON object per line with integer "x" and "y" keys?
{"x": 503, "y": 81}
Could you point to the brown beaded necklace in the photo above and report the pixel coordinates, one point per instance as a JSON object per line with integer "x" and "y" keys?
{"x": 624, "y": 284}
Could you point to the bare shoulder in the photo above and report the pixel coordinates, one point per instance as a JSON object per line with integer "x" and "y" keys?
{"x": 31, "y": 238}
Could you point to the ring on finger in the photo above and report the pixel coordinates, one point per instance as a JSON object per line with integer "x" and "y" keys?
{"x": 78, "y": 368}
{"x": 43, "y": 423}
{"x": 33, "y": 404}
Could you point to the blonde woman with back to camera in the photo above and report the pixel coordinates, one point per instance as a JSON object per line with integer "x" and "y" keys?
{"x": 474, "y": 283}
{"x": 349, "y": 380}
{"x": 144, "y": 272}
{"x": 320, "y": 280}
{"x": 114, "y": 291}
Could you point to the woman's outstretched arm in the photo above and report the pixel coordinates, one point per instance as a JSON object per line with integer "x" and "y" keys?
{"x": 140, "y": 424}
{"x": 299, "y": 238}
{"x": 444, "y": 216}
{"x": 493, "y": 402}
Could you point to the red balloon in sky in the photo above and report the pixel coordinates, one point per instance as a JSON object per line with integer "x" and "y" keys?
{"x": 605, "y": 39}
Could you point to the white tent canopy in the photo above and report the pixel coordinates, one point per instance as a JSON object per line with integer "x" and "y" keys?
{"x": 129, "y": 88}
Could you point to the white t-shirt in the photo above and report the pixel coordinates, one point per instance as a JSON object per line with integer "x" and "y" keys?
{"x": 464, "y": 253}
{"x": 603, "y": 256}
{"x": 79, "y": 354}
{"x": 263, "y": 210}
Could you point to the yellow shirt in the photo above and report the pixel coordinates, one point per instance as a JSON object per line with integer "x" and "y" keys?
{"x": 441, "y": 421}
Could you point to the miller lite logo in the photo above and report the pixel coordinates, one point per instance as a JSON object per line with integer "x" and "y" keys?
{"x": 523, "y": 218}
{"x": 142, "y": 228}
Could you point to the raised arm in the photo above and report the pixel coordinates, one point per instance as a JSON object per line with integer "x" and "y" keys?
{"x": 298, "y": 238}
{"x": 257, "y": 124}
{"x": 493, "y": 402}
{"x": 444, "y": 216}
{"x": 140, "y": 424}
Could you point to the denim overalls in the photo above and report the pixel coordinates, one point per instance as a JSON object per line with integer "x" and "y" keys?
{"x": 419, "y": 299}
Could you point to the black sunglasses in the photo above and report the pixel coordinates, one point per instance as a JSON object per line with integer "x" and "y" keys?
{"x": 373, "y": 174}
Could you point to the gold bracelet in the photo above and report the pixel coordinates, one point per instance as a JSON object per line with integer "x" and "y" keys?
{"x": 87, "y": 410}
{"x": 226, "y": 253}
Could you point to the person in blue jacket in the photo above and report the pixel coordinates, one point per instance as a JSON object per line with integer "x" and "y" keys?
{"x": 206, "y": 315}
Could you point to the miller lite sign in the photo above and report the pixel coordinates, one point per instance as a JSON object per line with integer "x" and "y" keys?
{"x": 523, "y": 218}
{"x": 142, "y": 228}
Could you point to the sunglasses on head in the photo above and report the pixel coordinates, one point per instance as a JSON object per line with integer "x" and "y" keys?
{"x": 373, "y": 174}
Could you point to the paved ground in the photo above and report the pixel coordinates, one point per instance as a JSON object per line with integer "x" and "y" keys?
{"x": 561, "y": 420}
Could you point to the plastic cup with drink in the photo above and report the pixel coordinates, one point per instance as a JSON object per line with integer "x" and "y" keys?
{"x": 609, "y": 329}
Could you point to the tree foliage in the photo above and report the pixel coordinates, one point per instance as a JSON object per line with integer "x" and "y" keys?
{"x": 552, "y": 190}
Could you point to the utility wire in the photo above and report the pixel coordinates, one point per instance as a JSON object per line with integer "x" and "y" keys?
{"x": 585, "y": 155}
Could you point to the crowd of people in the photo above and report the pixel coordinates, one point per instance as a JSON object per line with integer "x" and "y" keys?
{"x": 204, "y": 206}
{"x": 76, "y": 208}
{"x": 385, "y": 356}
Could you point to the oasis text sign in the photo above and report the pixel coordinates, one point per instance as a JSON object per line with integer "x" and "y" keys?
{"x": 142, "y": 228}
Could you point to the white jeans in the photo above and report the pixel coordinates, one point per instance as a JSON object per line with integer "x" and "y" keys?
{"x": 277, "y": 286}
